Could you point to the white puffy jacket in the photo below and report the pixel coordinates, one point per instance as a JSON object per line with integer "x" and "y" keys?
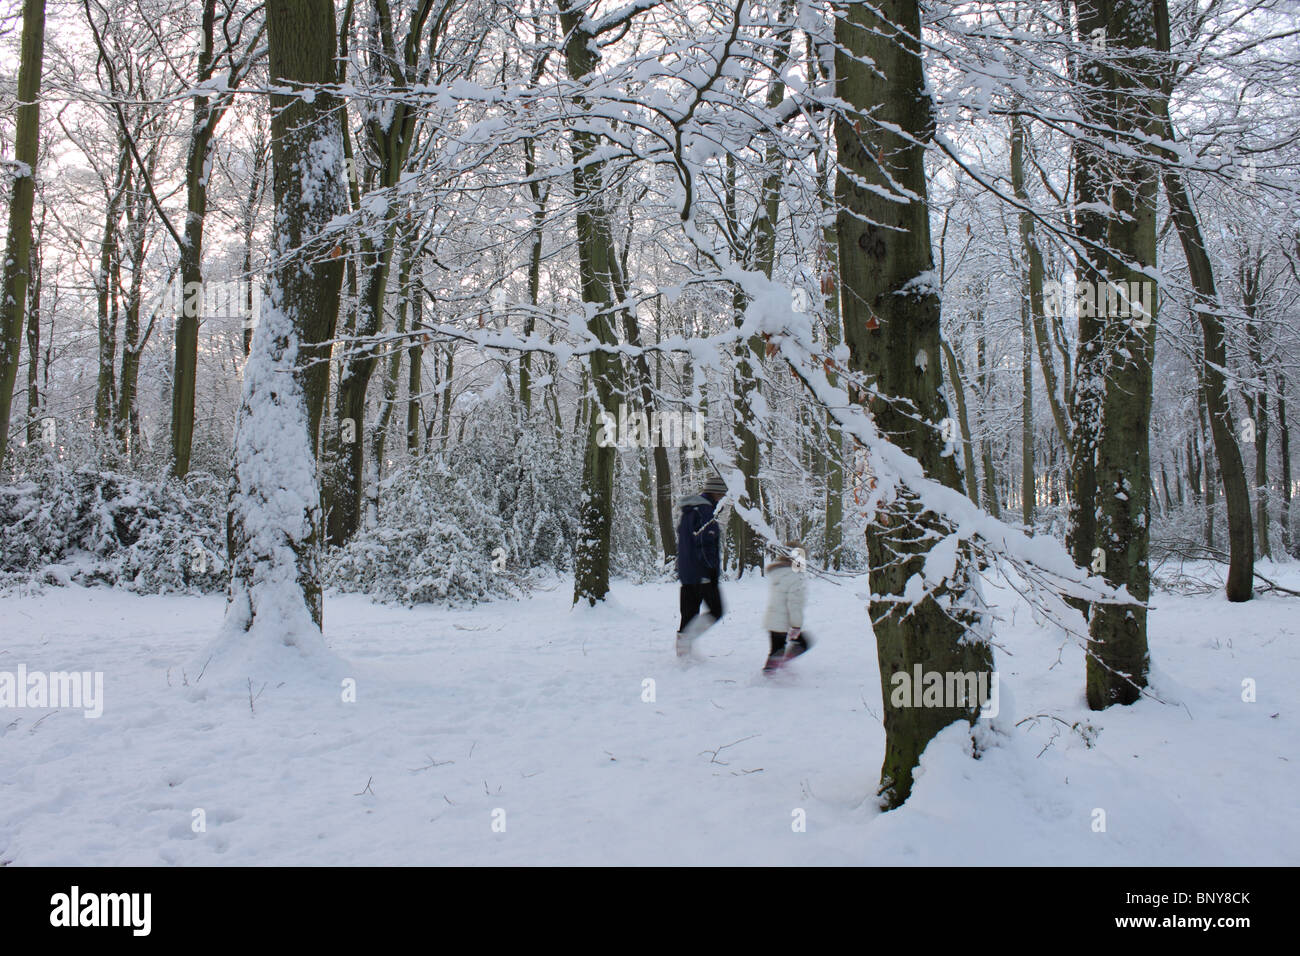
{"x": 787, "y": 591}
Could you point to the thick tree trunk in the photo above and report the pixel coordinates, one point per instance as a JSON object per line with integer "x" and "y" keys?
{"x": 273, "y": 525}
{"x": 1118, "y": 663}
{"x": 891, "y": 324}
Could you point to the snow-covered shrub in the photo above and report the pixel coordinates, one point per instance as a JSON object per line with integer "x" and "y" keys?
{"x": 634, "y": 550}
{"x": 532, "y": 482}
{"x": 434, "y": 542}
{"x": 464, "y": 525}
{"x": 61, "y": 524}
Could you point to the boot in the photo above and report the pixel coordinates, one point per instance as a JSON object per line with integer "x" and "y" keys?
{"x": 797, "y": 646}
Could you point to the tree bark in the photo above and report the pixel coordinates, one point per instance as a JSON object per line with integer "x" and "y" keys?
{"x": 992, "y": 501}
{"x": 891, "y": 325}
{"x": 1257, "y": 399}
{"x": 1090, "y": 195}
{"x": 197, "y": 171}
{"x": 34, "y": 347}
{"x": 1284, "y": 441}
{"x": 273, "y": 525}
{"x": 596, "y": 268}
{"x": 963, "y": 421}
{"x": 1119, "y": 660}
{"x": 18, "y": 245}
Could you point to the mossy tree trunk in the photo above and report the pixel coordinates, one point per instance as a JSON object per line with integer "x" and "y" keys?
{"x": 1119, "y": 660}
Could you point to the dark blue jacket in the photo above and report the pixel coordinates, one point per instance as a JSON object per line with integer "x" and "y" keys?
{"x": 697, "y": 541}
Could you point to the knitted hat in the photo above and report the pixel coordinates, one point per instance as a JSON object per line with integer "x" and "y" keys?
{"x": 714, "y": 485}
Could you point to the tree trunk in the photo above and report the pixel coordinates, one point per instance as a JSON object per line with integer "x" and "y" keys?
{"x": 18, "y": 245}
{"x": 1031, "y": 318}
{"x": 1206, "y": 436}
{"x": 1257, "y": 401}
{"x": 126, "y": 418}
{"x": 414, "y": 370}
{"x": 1026, "y": 417}
{"x": 197, "y": 170}
{"x": 1284, "y": 441}
{"x": 991, "y": 500}
{"x": 595, "y": 263}
{"x": 963, "y": 421}
{"x": 446, "y": 393}
{"x": 1119, "y": 660}
{"x": 1214, "y": 384}
{"x": 392, "y": 378}
{"x": 538, "y": 197}
{"x": 760, "y": 247}
{"x": 106, "y": 297}
{"x": 1090, "y": 196}
{"x": 891, "y": 325}
{"x": 834, "y": 437}
{"x": 659, "y": 453}
{"x": 273, "y": 524}
{"x": 1038, "y": 303}
{"x": 247, "y": 227}
{"x": 34, "y": 344}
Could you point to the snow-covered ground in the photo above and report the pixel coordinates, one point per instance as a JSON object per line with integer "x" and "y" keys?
{"x": 536, "y": 718}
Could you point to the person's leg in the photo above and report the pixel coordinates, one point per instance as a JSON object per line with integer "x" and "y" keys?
{"x": 713, "y": 598}
{"x": 777, "y": 654}
{"x": 690, "y": 604}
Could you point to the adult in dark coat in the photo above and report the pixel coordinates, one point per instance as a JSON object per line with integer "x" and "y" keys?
{"x": 699, "y": 564}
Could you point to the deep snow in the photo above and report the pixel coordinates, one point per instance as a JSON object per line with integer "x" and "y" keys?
{"x": 537, "y": 710}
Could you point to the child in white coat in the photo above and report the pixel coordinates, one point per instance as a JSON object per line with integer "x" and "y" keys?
{"x": 787, "y": 593}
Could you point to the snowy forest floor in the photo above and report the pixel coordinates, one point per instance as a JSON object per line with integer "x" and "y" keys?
{"x": 537, "y": 710}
